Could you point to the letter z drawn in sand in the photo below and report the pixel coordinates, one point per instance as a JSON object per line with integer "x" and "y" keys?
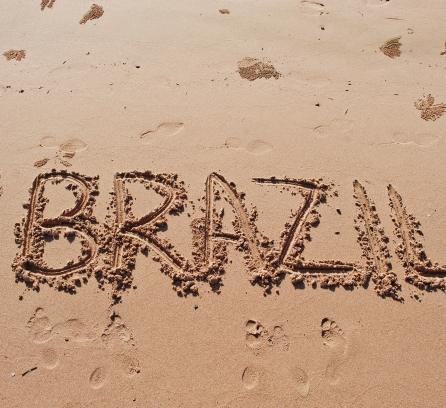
{"x": 420, "y": 271}
{"x": 130, "y": 234}
{"x": 78, "y": 221}
{"x": 289, "y": 259}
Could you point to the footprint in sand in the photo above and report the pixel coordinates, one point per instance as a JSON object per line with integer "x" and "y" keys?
{"x": 301, "y": 380}
{"x": 50, "y": 359}
{"x": 254, "y": 147}
{"x": 72, "y": 146}
{"x": 419, "y": 139}
{"x": 116, "y": 339}
{"x": 335, "y": 128}
{"x": 164, "y": 130}
{"x": 258, "y": 338}
{"x": 119, "y": 340}
{"x": 334, "y": 338}
{"x": 255, "y": 333}
{"x": 308, "y": 79}
{"x": 128, "y": 366}
{"x": 234, "y": 143}
{"x": 41, "y": 332}
{"x": 68, "y": 146}
{"x": 251, "y": 377}
{"x": 66, "y": 150}
{"x": 117, "y": 336}
{"x": 98, "y": 377}
{"x": 281, "y": 340}
{"x": 74, "y": 330}
{"x": 258, "y": 147}
{"x": 39, "y": 327}
{"x": 49, "y": 142}
{"x": 312, "y": 8}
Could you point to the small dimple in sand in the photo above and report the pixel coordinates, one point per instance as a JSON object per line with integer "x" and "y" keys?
{"x": 391, "y": 47}
{"x": 15, "y": 54}
{"x": 94, "y": 13}
{"x": 429, "y": 111}
{"x": 253, "y": 68}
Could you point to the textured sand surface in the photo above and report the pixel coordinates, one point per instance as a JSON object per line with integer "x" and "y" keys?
{"x": 235, "y": 204}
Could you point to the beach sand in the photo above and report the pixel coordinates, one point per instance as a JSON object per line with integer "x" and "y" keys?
{"x": 222, "y": 204}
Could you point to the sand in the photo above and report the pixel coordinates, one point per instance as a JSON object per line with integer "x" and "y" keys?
{"x": 234, "y": 204}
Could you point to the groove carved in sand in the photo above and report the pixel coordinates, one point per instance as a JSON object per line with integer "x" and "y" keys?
{"x": 420, "y": 270}
{"x": 163, "y": 130}
{"x": 78, "y": 221}
{"x": 374, "y": 245}
{"x": 243, "y": 227}
{"x": 109, "y": 249}
{"x": 328, "y": 273}
{"x": 128, "y": 234}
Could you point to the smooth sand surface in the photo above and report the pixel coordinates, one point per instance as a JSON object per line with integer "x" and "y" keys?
{"x": 222, "y": 204}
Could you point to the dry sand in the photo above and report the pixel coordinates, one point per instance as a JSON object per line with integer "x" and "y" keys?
{"x": 236, "y": 204}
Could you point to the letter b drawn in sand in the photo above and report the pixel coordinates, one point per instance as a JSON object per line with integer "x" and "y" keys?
{"x": 76, "y": 222}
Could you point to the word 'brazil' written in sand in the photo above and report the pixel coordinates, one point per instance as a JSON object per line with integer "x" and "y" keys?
{"x": 109, "y": 248}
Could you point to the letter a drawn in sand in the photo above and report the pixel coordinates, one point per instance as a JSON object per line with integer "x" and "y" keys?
{"x": 215, "y": 239}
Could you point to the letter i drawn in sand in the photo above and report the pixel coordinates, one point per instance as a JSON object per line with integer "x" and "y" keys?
{"x": 374, "y": 245}
{"x": 420, "y": 270}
